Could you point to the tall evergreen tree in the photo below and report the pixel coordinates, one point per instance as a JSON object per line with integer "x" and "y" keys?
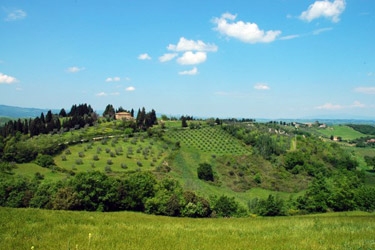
{"x": 62, "y": 113}
{"x": 109, "y": 112}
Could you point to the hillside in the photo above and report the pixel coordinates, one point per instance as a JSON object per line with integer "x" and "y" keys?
{"x": 260, "y": 168}
{"x": 21, "y": 112}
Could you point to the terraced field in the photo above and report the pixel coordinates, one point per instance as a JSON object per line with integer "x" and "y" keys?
{"x": 209, "y": 140}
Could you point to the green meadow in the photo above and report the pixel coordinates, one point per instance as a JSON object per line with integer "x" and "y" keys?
{"x": 343, "y": 131}
{"x": 45, "y": 229}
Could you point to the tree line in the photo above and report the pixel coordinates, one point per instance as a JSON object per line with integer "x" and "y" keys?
{"x": 96, "y": 191}
{"x": 141, "y": 191}
{"x": 78, "y": 117}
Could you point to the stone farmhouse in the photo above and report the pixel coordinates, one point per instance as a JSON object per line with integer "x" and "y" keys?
{"x": 123, "y": 116}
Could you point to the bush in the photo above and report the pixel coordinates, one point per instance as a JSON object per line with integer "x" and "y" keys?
{"x": 124, "y": 166}
{"x": 79, "y": 161}
{"x": 205, "y": 172}
{"x": 108, "y": 169}
{"x": 44, "y": 161}
{"x": 225, "y": 206}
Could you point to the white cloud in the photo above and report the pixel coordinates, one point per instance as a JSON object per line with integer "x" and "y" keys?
{"x": 101, "y": 94}
{"x": 330, "y": 106}
{"x": 289, "y": 37}
{"x": 191, "y": 45}
{"x": 324, "y": 8}
{"x": 193, "y": 71}
{"x": 5, "y": 79}
{"x": 113, "y": 79}
{"x": 167, "y": 57}
{"x": 366, "y": 90}
{"x": 191, "y": 58}
{"x": 261, "y": 86}
{"x": 358, "y": 104}
{"x": 144, "y": 56}
{"x": 130, "y": 88}
{"x": 15, "y": 15}
{"x": 75, "y": 69}
{"x": 246, "y": 32}
{"x": 318, "y": 31}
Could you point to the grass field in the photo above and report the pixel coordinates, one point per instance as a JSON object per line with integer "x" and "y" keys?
{"x": 43, "y": 229}
{"x": 345, "y": 132}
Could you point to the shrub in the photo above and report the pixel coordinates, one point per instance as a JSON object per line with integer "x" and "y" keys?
{"x": 81, "y": 154}
{"x": 225, "y": 206}
{"x": 95, "y": 158}
{"x": 44, "y": 161}
{"x": 108, "y": 169}
{"x": 124, "y": 166}
{"x": 79, "y": 161}
{"x": 109, "y": 162}
{"x": 205, "y": 172}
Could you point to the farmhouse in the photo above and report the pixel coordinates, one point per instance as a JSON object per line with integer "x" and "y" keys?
{"x": 123, "y": 115}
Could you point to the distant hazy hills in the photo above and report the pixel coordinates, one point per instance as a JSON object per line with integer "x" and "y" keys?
{"x": 18, "y": 112}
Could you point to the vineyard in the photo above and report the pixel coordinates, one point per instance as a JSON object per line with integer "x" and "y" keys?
{"x": 209, "y": 140}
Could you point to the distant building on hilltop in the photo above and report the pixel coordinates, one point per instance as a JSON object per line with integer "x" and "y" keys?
{"x": 123, "y": 115}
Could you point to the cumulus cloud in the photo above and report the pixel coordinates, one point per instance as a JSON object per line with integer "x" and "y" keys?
{"x": 191, "y": 58}
{"x": 113, "y": 79}
{"x": 5, "y": 79}
{"x": 15, "y": 15}
{"x": 167, "y": 57}
{"x": 191, "y": 45}
{"x": 324, "y": 8}
{"x": 358, "y": 104}
{"x": 75, "y": 69}
{"x": 193, "y": 71}
{"x": 244, "y": 31}
{"x": 330, "y": 106}
{"x": 130, "y": 88}
{"x": 261, "y": 86}
{"x": 144, "y": 56}
{"x": 101, "y": 94}
{"x": 366, "y": 90}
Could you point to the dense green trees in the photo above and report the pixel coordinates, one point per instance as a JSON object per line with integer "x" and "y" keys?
{"x": 205, "y": 172}
{"x": 96, "y": 191}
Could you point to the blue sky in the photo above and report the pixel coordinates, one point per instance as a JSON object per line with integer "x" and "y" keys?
{"x": 255, "y": 59}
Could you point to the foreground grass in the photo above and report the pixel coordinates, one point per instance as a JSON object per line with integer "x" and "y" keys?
{"x": 43, "y": 229}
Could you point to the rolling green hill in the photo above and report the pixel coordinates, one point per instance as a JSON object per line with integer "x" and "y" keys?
{"x": 249, "y": 161}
